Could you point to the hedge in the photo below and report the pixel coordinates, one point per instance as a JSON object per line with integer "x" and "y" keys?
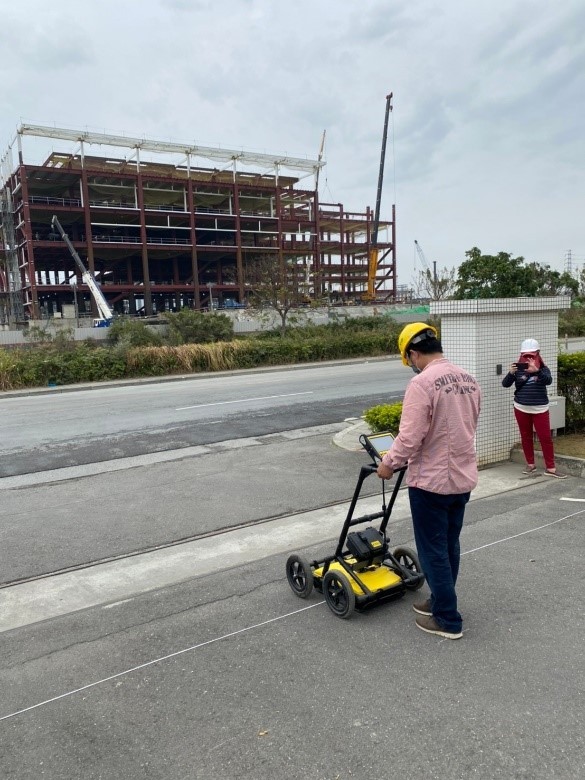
{"x": 40, "y": 366}
{"x": 571, "y": 385}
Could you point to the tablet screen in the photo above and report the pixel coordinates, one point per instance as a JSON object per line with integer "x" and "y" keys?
{"x": 382, "y": 441}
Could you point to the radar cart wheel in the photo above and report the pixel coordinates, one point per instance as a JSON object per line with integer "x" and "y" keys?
{"x": 338, "y": 594}
{"x": 409, "y": 559}
{"x": 300, "y": 576}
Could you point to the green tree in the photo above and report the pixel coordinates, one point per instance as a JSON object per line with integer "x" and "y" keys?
{"x": 493, "y": 276}
{"x": 549, "y": 282}
{"x": 504, "y": 276}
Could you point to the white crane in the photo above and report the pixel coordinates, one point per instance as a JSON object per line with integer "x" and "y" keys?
{"x": 424, "y": 263}
{"x": 106, "y": 315}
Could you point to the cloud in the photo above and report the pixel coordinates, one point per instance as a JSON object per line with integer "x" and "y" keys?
{"x": 485, "y": 145}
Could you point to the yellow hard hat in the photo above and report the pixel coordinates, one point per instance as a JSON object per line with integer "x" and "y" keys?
{"x": 412, "y": 334}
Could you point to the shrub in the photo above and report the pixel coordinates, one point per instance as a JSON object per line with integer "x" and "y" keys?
{"x": 132, "y": 333}
{"x": 385, "y": 417}
{"x": 571, "y": 384}
{"x": 195, "y": 327}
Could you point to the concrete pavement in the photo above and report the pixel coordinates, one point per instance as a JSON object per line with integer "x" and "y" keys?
{"x": 114, "y": 581}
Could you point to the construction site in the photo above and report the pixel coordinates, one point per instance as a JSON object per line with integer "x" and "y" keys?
{"x": 160, "y": 226}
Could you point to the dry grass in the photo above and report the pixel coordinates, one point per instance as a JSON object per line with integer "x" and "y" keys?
{"x": 572, "y": 444}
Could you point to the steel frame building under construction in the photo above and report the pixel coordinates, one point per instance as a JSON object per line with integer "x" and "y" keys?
{"x": 159, "y": 231}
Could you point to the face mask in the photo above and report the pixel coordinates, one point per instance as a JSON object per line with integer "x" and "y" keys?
{"x": 414, "y": 368}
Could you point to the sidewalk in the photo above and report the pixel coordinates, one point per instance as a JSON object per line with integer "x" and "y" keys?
{"x": 107, "y": 583}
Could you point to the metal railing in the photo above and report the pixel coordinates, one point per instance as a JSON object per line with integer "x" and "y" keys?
{"x": 47, "y": 200}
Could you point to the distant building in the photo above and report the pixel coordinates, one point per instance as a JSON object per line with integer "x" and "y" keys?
{"x": 160, "y": 232}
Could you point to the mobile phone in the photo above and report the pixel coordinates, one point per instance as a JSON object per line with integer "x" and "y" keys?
{"x": 521, "y": 366}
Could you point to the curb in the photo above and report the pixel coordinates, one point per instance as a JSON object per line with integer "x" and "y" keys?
{"x": 575, "y": 467}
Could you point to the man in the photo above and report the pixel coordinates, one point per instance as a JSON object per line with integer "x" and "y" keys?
{"x": 437, "y": 441}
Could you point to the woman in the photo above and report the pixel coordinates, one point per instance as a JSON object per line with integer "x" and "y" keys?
{"x": 531, "y": 378}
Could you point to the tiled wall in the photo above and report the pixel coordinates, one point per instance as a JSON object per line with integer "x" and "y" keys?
{"x": 480, "y": 335}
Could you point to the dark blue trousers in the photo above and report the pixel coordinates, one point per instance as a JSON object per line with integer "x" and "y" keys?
{"x": 437, "y": 522}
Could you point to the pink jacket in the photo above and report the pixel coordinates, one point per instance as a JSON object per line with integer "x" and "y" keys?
{"x": 437, "y": 430}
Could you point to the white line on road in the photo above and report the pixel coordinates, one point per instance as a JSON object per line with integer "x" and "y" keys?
{"x": 581, "y": 500}
{"x": 158, "y": 660}
{"x": 523, "y": 533}
{"x": 241, "y": 631}
{"x": 243, "y": 400}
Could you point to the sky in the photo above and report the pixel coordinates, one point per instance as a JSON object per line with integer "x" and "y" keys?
{"x": 486, "y": 142}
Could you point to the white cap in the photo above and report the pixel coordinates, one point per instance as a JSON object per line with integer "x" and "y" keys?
{"x": 529, "y": 345}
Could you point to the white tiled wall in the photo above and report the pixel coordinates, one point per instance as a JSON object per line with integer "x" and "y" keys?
{"x": 480, "y": 335}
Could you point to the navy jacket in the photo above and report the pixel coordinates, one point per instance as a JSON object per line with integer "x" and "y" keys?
{"x": 530, "y": 388}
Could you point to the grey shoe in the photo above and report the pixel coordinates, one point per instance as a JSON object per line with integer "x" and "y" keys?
{"x": 529, "y": 470}
{"x": 430, "y": 625}
{"x": 555, "y": 474}
{"x": 423, "y": 607}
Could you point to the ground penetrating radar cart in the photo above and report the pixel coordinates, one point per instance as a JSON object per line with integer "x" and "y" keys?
{"x": 362, "y": 571}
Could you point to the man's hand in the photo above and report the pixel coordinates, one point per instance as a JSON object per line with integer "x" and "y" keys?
{"x": 384, "y": 471}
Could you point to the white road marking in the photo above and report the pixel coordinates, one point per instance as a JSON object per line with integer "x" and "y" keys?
{"x": 158, "y": 660}
{"x": 523, "y": 533}
{"x": 581, "y": 500}
{"x": 243, "y": 400}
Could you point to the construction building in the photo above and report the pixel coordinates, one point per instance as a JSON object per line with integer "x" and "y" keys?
{"x": 160, "y": 231}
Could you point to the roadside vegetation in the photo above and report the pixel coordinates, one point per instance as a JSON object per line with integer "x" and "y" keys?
{"x": 196, "y": 342}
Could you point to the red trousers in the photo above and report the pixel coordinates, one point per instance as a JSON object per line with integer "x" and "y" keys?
{"x": 541, "y": 424}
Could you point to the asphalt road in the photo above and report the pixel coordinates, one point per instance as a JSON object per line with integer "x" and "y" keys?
{"x": 50, "y": 430}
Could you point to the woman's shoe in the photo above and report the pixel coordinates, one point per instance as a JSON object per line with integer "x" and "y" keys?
{"x": 531, "y": 470}
{"x": 555, "y": 474}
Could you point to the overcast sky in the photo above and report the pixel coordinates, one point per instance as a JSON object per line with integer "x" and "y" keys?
{"x": 487, "y": 141}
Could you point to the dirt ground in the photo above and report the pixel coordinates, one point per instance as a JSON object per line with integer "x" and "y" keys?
{"x": 572, "y": 444}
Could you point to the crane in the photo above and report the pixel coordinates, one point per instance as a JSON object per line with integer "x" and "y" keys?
{"x": 436, "y": 291}
{"x": 373, "y": 256}
{"x": 319, "y": 159}
{"x": 423, "y": 261}
{"x": 106, "y": 315}
{"x": 421, "y": 255}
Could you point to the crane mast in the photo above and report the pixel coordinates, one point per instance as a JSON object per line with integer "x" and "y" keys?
{"x": 373, "y": 257}
{"x": 421, "y": 255}
{"x": 431, "y": 274}
{"x": 106, "y": 314}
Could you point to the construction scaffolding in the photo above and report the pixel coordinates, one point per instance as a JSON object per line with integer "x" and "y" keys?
{"x": 160, "y": 231}
{"x": 11, "y": 302}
